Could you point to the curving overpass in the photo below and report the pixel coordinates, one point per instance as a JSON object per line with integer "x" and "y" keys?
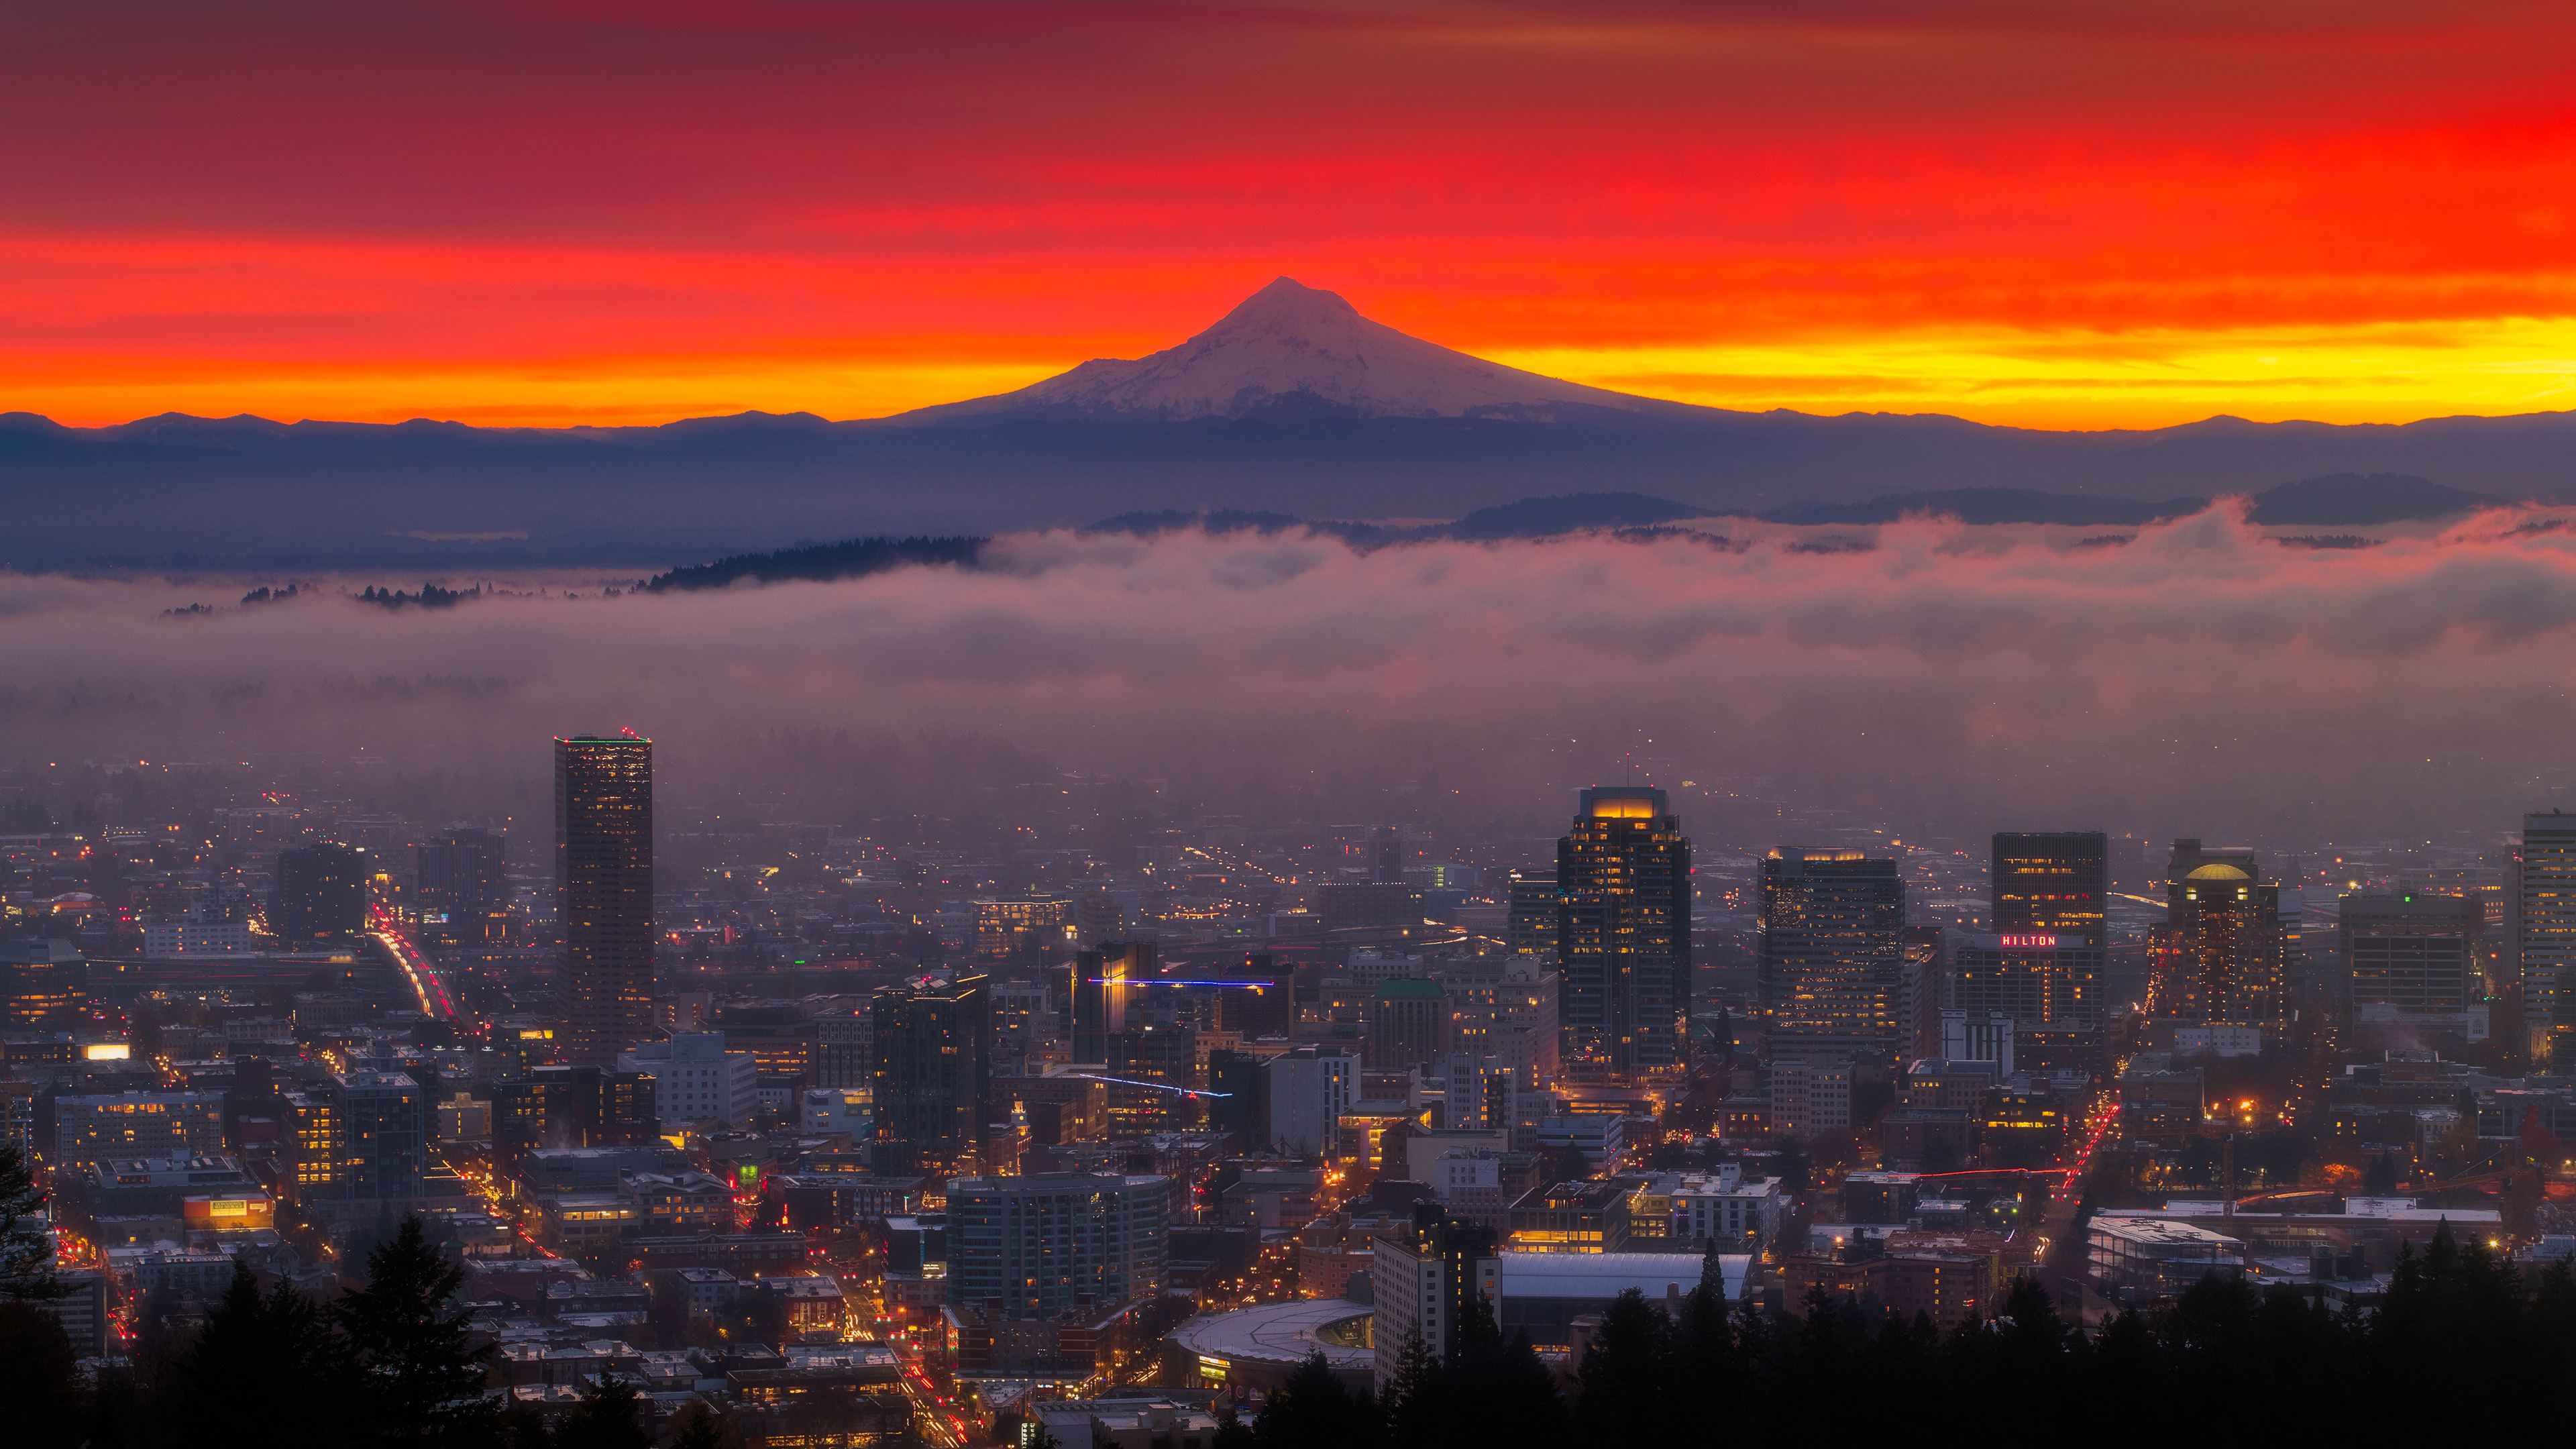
{"x": 427, "y": 982}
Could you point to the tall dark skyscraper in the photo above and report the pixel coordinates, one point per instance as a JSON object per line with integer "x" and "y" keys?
{"x": 2541, "y": 916}
{"x": 2050, "y": 883}
{"x": 1623, "y": 937}
{"x": 604, "y": 892}
{"x": 932, "y": 1075}
{"x": 321, "y": 891}
{"x": 1408, "y": 1024}
{"x": 383, "y": 1123}
{"x": 1156, "y": 1053}
{"x": 1239, "y": 1100}
{"x": 1101, "y": 984}
{"x": 1267, "y": 1006}
{"x": 461, "y": 888}
{"x": 1831, "y": 967}
{"x": 2410, "y": 968}
{"x": 1386, "y": 856}
{"x": 1531, "y": 925}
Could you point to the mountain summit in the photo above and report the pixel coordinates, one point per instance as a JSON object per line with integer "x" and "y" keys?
{"x": 1290, "y": 349}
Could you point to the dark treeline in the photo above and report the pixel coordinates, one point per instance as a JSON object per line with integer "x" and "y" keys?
{"x": 394, "y": 1363}
{"x": 850, "y": 559}
{"x": 2463, "y": 1345}
{"x": 431, "y": 596}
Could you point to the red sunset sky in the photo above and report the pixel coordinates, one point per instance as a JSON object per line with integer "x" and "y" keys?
{"x": 2061, "y": 214}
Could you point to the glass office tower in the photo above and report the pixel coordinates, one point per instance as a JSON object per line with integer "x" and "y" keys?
{"x": 932, "y": 1074}
{"x": 2544, "y": 936}
{"x": 1100, "y": 986}
{"x": 604, "y": 892}
{"x": 2050, "y": 883}
{"x": 1831, "y": 965}
{"x": 1623, "y": 928}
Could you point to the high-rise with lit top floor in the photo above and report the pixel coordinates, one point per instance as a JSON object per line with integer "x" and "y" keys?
{"x": 2039, "y": 979}
{"x": 2221, "y": 955}
{"x": 1031, "y": 925}
{"x": 1623, "y": 937}
{"x": 1530, "y": 926}
{"x": 1830, "y": 967}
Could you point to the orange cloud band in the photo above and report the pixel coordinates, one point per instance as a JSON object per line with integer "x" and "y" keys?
{"x": 2130, "y": 216}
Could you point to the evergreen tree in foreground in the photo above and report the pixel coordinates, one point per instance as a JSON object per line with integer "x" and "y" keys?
{"x": 610, "y": 1417}
{"x": 1415, "y": 1412}
{"x": 26, "y": 1250}
{"x": 1621, "y": 1395}
{"x": 1488, "y": 1395}
{"x": 36, "y": 1377}
{"x": 697, "y": 1427}
{"x": 1313, "y": 1407}
{"x": 267, "y": 1369}
{"x": 420, "y": 1381}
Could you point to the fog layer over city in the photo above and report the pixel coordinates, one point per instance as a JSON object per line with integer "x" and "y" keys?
{"x": 2198, "y": 678}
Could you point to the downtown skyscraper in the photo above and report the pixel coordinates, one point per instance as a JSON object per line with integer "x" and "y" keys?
{"x": 932, "y": 1074}
{"x": 2042, "y": 964}
{"x": 1831, "y": 965}
{"x": 2220, "y": 956}
{"x": 2543, "y": 907}
{"x": 1100, "y": 986}
{"x": 2050, "y": 883}
{"x": 1623, "y": 928}
{"x": 604, "y": 892}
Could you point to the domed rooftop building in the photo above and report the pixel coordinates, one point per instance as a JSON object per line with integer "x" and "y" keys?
{"x": 1254, "y": 1350}
{"x": 2222, "y": 955}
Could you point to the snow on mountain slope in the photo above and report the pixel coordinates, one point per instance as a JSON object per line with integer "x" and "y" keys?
{"x": 1287, "y": 346}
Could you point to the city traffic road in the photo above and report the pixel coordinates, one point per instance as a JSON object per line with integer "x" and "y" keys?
{"x": 426, "y": 981}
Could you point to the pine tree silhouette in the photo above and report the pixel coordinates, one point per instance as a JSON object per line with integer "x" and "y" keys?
{"x": 421, "y": 1379}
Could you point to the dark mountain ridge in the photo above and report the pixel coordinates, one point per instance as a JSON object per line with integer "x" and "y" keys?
{"x": 1293, "y": 404}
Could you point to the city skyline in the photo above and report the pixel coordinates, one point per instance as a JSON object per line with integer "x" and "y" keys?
{"x": 1460, "y": 725}
{"x": 824, "y": 1050}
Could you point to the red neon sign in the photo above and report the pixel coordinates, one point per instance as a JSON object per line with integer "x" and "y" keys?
{"x": 2049, "y": 941}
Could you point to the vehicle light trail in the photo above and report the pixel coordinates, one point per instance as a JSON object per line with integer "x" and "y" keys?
{"x": 1253, "y": 986}
{"x": 426, "y": 981}
{"x": 1157, "y": 1086}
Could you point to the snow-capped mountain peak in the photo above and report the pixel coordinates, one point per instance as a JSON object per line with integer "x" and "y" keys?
{"x": 1290, "y": 348}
